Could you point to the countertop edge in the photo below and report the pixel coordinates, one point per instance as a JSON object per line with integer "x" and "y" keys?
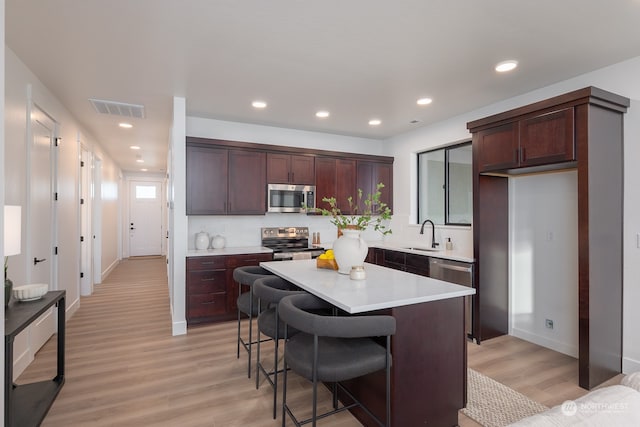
{"x": 238, "y": 250}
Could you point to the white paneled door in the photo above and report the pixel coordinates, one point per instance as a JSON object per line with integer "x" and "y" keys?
{"x": 41, "y": 229}
{"x": 145, "y": 218}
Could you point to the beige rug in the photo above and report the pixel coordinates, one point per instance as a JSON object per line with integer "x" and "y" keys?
{"x": 495, "y": 405}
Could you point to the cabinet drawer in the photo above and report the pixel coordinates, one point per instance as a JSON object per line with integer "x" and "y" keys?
{"x": 394, "y": 257}
{"x": 206, "y": 281}
{"x": 248, "y": 259}
{"x": 205, "y": 262}
{"x": 206, "y": 305}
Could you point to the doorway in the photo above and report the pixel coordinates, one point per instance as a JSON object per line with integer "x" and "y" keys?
{"x": 41, "y": 226}
{"x": 145, "y": 218}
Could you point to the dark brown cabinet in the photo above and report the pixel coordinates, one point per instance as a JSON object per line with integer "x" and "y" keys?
{"x": 224, "y": 181}
{"x": 535, "y": 140}
{"x": 247, "y": 183}
{"x": 211, "y": 291}
{"x": 231, "y": 177}
{"x": 335, "y": 178}
{"x": 285, "y": 168}
{"x": 580, "y": 130}
{"x": 207, "y": 175}
{"x": 369, "y": 175}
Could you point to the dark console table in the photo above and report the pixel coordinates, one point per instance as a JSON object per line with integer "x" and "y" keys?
{"x": 27, "y": 404}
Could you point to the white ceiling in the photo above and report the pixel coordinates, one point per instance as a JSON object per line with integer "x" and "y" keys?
{"x": 359, "y": 59}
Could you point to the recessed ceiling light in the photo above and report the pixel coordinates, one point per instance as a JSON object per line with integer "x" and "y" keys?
{"x": 322, "y": 114}
{"x": 424, "y": 101}
{"x": 505, "y": 66}
{"x": 374, "y": 122}
{"x": 144, "y": 169}
{"x": 140, "y": 161}
{"x": 259, "y": 104}
{"x": 134, "y": 147}
{"x": 125, "y": 125}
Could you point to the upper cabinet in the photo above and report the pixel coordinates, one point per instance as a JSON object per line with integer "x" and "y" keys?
{"x": 215, "y": 174}
{"x": 290, "y": 169}
{"x": 534, "y": 140}
{"x": 369, "y": 175}
{"x": 207, "y": 177}
{"x": 231, "y": 177}
{"x": 335, "y": 177}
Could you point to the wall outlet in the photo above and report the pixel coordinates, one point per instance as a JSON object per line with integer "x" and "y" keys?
{"x": 548, "y": 323}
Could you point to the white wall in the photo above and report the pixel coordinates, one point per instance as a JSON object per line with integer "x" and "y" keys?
{"x": 544, "y": 259}
{"x": 18, "y": 77}
{"x": 177, "y": 217}
{"x": 618, "y": 78}
{"x": 258, "y": 134}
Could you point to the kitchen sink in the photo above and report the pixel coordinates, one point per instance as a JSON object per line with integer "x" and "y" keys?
{"x": 422, "y": 248}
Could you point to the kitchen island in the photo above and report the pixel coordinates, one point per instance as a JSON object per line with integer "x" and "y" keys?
{"x": 428, "y": 378}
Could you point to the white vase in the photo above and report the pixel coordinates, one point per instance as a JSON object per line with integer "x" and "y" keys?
{"x": 218, "y": 242}
{"x": 202, "y": 240}
{"x": 349, "y": 250}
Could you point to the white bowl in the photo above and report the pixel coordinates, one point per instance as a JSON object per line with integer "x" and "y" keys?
{"x": 30, "y": 292}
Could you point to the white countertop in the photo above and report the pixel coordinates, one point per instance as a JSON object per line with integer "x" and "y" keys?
{"x": 440, "y": 253}
{"x": 238, "y": 250}
{"x": 383, "y": 287}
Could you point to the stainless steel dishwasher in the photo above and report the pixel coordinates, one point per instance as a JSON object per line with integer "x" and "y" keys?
{"x": 460, "y": 273}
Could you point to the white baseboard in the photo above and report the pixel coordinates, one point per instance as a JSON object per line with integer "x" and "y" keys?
{"x": 109, "y": 269}
{"x": 558, "y": 346}
{"x": 71, "y": 308}
{"x": 21, "y": 361}
{"x": 630, "y": 366}
{"x": 179, "y": 328}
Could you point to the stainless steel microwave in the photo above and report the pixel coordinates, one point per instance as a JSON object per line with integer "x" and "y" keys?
{"x": 290, "y": 198}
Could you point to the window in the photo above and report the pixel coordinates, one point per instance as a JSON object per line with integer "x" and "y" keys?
{"x": 145, "y": 191}
{"x": 445, "y": 185}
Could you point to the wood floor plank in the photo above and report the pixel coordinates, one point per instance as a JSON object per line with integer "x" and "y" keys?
{"x": 124, "y": 368}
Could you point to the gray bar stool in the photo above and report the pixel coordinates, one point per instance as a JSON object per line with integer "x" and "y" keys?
{"x": 248, "y": 304}
{"x": 333, "y": 349}
{"x": 269, "y": 291}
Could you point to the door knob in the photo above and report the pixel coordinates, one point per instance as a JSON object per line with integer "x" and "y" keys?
{"x": 36, "y": 260}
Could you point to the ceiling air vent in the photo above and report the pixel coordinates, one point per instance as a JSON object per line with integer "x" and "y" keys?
{"x": 118, "y": 108}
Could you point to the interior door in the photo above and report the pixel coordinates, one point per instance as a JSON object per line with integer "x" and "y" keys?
{"x": 86, "y": 275}
{"x": 41, "y": 227}
{"x": 145, "y": 218}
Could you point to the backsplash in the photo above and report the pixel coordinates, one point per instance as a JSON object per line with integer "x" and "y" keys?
{"x": 244, "y": 230}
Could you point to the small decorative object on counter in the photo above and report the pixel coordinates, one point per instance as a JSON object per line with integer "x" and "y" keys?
{"x": 449, "y": 244}
{"x": 327, "y": 260}
{"x": 202, "y": 240}
{"x": 357, "y": 273}
{"x": 218, "y": 242}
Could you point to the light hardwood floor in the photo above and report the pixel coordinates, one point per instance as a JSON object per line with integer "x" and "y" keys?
{"x": 124, "y": 368}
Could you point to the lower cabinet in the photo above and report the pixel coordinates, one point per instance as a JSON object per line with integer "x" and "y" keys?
{"x": 211, "y": 291}
{"x": 416, "y": 264}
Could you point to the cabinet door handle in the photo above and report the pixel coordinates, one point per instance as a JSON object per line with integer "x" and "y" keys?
{"x": 209, "y": 279}
{"x": 516, "y": 156}
{"x": 209, "y": 302}
{"x": 293, "y": 178}
{"x": 523, "y": 157}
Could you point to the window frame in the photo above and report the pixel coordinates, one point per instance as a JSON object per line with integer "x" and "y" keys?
{"x": 446, "y": 150}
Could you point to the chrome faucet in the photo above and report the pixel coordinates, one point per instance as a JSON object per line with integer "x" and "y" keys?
{"x": 433, "y": 232}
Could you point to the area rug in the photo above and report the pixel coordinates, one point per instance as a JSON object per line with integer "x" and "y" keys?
{"x": 495, "y": 405}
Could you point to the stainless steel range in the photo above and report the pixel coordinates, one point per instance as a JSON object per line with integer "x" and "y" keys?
{"x": 289, "y": 243}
